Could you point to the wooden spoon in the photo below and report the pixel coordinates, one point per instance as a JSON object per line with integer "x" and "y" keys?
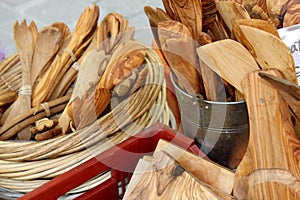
{"x": 229, "y": 59}
{"x": 272, "y": 143}
{"x": 83, "y": 32}
{"x": 87, "y": 77}
{"x": 268, "y": 50}
{"x": 47, "y": 45}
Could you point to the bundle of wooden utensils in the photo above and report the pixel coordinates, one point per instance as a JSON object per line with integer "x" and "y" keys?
{"x": 71, "y": 95}
{"x": 211, "y": 44}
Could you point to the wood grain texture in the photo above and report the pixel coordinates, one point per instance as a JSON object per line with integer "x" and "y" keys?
{"x": 255, "y": 23}
{"x": 167, "y": 180}
{"x": 272, "y": 143}
{"x": 213, "y": 84}
{"x": 187, "y": 12}
{"x": 229, "y": 59}
{"x": 230, "y": 11}
{"x": 80, "y": 39}
{"x": 198, "y": 167}
{"x": 182, "y": 61}
{"x": 269, "y": 51}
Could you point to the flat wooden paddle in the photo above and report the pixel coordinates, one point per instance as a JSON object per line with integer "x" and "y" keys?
{"x": 268, "y": 50}
{"x": 273, "y": 145}
{"x": 229, "y": 59}
{"x": 255, "y": 23}
{"x": 230, "y": 11}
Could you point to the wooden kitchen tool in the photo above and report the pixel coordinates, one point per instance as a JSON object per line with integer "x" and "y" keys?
{"x": 272, "y": 145}
{"x": 230, "y": 11}
{"x": 82, "y": 33}
{"x": 47, "y": 45}
{"x": 288, "y": 90}
{"x": 188, "y": 13}
{"x": 199, "y": 166}
{"x": 182, "y": 61}
{"x": 212, "y": 82}
{"x": 25, "y": 39}
{"x": 87, "y": 77}
{"x": 162, "y": 178}
{"x": 255, "y": 23}
{"x": 268, "y": 50}
{"x": 229, "y": 59}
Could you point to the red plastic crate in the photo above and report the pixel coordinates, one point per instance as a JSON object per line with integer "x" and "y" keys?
{"x": 118, "y": 160}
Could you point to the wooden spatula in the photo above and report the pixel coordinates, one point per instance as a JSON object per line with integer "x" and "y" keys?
{"x": 229, "y": 59}
{"x": 255, "y": 23}
{"x": 268, "y": 50}
{"x": 47, "y": 45}
{"x": 272, "y": 144}
{"x": 230, "y": 11}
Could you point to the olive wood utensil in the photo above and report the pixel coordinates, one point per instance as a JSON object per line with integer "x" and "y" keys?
{"x": 273, "y": 144}
{"x": 229, "y": 59}
{"x": 288, "y": 90}
{"x": 163, "y": 178}
{"x": 213, "y": 84}
{"x": 198, "y": 167}
{"x": 187, "y": 12}
{"x": 47, "y": 45}
{"x": 255, "y": 23}
{"x": 230, "y": 11}
{"x": 25, "y": 39}
{"x": 64, "y": 35}
{"x": 268, "y": 50}
{"x": 87, "y": 77}
{"x": 84, "y": 29}
{"x": 182, "y": 61}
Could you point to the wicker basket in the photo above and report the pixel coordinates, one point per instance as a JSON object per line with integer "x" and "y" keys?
{"x": 25, "y": 166}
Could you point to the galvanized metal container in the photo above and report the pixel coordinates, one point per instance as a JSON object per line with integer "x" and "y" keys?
{"x": 220, "y": 129}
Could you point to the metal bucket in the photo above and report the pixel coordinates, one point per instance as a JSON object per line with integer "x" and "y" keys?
{"x": 220, "y": 129}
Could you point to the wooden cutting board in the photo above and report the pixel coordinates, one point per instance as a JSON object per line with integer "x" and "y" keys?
{"x": 273, "y": 145}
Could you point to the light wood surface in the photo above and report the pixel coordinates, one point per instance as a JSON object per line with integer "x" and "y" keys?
{"x": 272, "y": 143}
{"x": 229, "y": 59}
